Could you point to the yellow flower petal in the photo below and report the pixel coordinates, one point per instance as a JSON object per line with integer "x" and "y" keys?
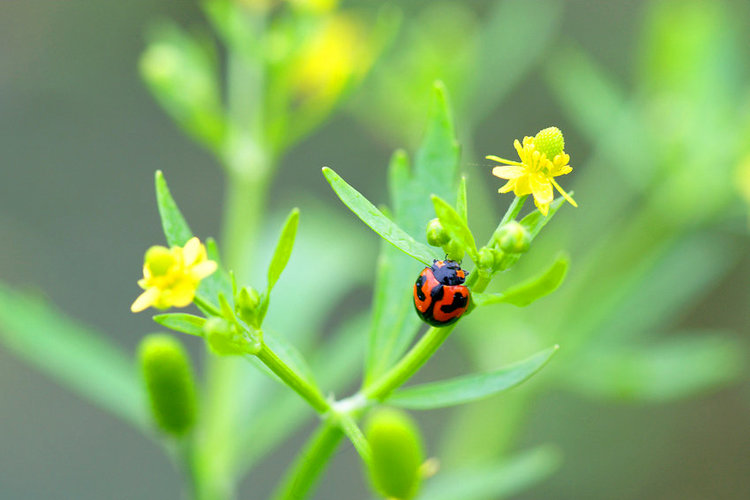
{"x": 503, "y": 160}
{"x": 145, "y": 300}
{"x": 565, "y": 195}
{"x": 508, "y": 172}
{"x": 541, "y": 188}
{"x": 522, "y": 187}
{"x": 192, "y": 250}
{"x": 204, "y": 269}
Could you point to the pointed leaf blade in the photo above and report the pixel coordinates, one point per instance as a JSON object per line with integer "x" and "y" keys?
{"x": 455, "y": 226}
{"x": 469, "y": 388}
{"x": 527, "y": 292}
{"x": 182, "y": 322}
{"x": 74, "y": 355}
{"x": 176, "y": 229}
{"x": 374, "y": 218}
{"x": 283, "y": 249}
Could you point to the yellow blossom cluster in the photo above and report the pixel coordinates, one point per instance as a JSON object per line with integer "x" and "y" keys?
{"x": 172, "y": 275}
{"x": 535, "y": 173}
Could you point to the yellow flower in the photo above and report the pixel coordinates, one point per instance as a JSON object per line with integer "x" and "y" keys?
{"x": 535, "y": 173}
{"x": 336, "y": 55}
{"x": 172, "y": 275}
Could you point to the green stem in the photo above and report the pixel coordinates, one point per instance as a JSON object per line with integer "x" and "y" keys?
{"x": 310, "y": 463}
{"x": 291, "y": 378}
{"x": 206, "y": 306}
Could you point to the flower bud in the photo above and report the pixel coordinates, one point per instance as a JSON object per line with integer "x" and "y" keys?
{"x": 512, "y": 238}
{"x": 397, "y": 453}
{"x": 549, "y": 141}
{"x": 454, "y": 250}
{"x": 486, "y": 258}
{"x": 436, "y": 234}
{"x": 168, "y": 377}
{"x": 225, "y": 340}
{"x": 247, "y": 302}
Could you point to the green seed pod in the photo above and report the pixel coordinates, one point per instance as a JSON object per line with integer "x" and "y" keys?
{"x": 436, "y": 234}
{"x": 168, "y": 377}
{"x": 549, "y": 141}
{"x": 248, "y": 301}
{"x": 397, "y": 453}
{"x": 512, "y": 238}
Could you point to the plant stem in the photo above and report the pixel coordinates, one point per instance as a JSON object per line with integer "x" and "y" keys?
{"x": 291, "y": 378}
{"x": 308, "y": 466}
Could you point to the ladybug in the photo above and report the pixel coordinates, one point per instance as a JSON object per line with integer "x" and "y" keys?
{"x": 440, "y": 297}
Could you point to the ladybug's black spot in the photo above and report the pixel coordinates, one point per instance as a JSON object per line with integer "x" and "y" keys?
{"x": 459, "y": 300}
{"x": 420, "y": 282}
{"x": 437, "y": 293}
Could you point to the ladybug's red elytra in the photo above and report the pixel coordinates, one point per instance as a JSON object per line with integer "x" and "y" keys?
{"x": 440, "y": 297}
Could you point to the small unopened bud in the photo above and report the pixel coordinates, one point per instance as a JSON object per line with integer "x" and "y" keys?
{"x": 436, "y": 234}
{"x": 397, "y": 453}
{"x": 512, "y": 238}
{"x": 222, "y": 337}
{"x": 168, "y": 377}
{"x": 247, "y": 302}
{"x": 454, "y": 251}
{"x": 486, "y": 258}
{"x": 159, "y": 260}
{"x": 549, "y": 141}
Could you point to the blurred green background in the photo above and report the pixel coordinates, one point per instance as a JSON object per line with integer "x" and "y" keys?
{"x": 80, "y": 138}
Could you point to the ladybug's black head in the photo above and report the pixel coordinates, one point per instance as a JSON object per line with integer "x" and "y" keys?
{"x": 448, "y": 272}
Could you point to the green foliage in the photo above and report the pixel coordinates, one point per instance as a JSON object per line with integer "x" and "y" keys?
{"x": 376, "y": 220}
{"x": 435, "y": 168}
{"x": 524, "y": 294}
{"x": 469, "y": 388}
{"x": 182, "y": 322}
{"x": 494, "y": 480}
{"x": 455, "y": 225}
{"x": 74, "y": 355}
{"x": 168, "y": 377}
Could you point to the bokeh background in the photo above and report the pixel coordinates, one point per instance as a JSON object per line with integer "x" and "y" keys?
{"x": 80, "y": 138}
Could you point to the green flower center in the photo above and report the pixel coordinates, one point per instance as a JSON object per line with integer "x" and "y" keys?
{"x": 550, "y": 142}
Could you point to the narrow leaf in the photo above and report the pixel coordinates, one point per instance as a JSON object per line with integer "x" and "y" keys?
{"x": 73, "y": 355}
{"x": 535, "y": 221}
{"x": 182, "y": 322}
{"x": 176, "y": 229}
{"x": 496, "y": 480}
{"x": 469, "y": 388}
{"x": 530, "y": 290}
{"x": 461, "y": 203}
{"x": 456, "y": 226}
{"x": 283, "y": 249}
{"x": 680, "y": 367}
{"x": 374, "y": 218}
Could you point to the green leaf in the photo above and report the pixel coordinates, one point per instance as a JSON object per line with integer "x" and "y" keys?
{"x": 394, "y": 323}
{"x": 530, "y": 290}
{"x": 283, "y": 249}
{"x": 497, "y": 480}
{"x": 182, "y": 72}
{"x": 177, "y": 232}
{"x": 469, "y": 388}
{"x": 535, "y": 221}
{"x": 182, "y": 322}
{"x": 680, "y": 367}
{"x": 176, "y": 229}
{"x": 461, "y": 202}
{"x": 456, "y": 227}
{"x": 374, "y": 218}
{"x": 75, "y": 356}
